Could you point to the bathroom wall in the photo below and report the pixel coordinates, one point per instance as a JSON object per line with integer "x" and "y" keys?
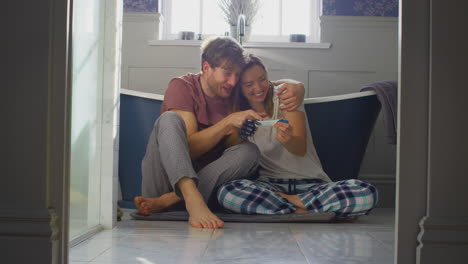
{"x": 363, "y": 49}
{"x": 386, "y": 8}
{"x": 140, "y": 5}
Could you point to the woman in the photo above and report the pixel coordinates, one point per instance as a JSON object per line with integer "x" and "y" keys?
{"x": 291, "y": 178}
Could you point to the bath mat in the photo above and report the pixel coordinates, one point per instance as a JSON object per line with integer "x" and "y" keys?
{"x": 227, "y": 217}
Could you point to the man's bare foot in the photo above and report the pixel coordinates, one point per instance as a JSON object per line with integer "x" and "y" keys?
{"x": 199, "y": 214}
{"x": 147, "y": 206}
{"x": 294, "y": 199}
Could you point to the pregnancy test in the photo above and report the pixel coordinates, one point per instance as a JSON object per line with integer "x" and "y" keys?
{"x": 270, "y": 122}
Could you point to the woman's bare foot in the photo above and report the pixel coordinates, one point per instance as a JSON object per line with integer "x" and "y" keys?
{"x": 199, "y": 213}
{"x": 294, "y": 199}
{"x": 300, "y": 211}
{"x": 147, "y": 206}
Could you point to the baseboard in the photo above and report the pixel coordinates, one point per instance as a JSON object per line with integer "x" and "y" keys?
{"x": 443, "y": 230}
{"x": 25, "y": 223}
{"x": 386, "y": 187}
{"x": 443, "y": 240}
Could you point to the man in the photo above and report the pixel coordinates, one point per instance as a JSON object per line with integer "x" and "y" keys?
{"x": 186, "y": 158}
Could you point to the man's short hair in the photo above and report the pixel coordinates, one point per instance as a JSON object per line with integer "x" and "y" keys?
{"x": 219, "y": 50}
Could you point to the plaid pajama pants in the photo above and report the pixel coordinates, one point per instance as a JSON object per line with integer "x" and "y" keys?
{"x": 347, "y": 198}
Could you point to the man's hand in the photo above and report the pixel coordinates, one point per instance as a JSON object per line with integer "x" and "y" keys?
{"x": 248, "y": 128}
{"x": 237, "y": 119}
{"x": 291, "y": 94}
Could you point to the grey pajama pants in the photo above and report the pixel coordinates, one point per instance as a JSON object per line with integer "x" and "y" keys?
{"x": 167, "y": 160}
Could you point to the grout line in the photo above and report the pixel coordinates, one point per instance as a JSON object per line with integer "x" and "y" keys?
{"x": 202, "y": 256}
{"x": 298, "y": 245}
{"x": 99, "y": 254}
{"x": 381, "y": 242}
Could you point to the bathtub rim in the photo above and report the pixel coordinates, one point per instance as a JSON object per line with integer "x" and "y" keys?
{"x": 154, "y": 96}
{"x": 340, "y": 97}
{"x": 306, "y": 100}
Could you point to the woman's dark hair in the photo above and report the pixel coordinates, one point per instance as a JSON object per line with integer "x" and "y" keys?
{"x": 237, "y": 99}
{"x": 219, "y": 50}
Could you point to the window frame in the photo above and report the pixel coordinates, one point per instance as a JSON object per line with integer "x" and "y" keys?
{"x": 313, "y": 36}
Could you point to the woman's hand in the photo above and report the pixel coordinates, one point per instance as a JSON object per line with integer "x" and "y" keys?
{"x": 291, "y": 94}
{"x": 283, "y": 132}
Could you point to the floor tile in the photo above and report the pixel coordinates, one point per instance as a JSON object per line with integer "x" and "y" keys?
{"x": 349, "y": 243}
{"x": 115, "y": 233}
{"x": 252, "y": 252}
{"x": 370, "y": 239}
{"x": 253, "y": 243}
{"x": 383, "y": 235}
{"x": 155, "y": 242}
{"x": 123, "y": 254}
{"x": 90, "y": 249}
{"x": 258, "y": 259}
{"x": 266, "y": 236}
{"x": 165, "y": 228}
{"x": 351, "y": 260}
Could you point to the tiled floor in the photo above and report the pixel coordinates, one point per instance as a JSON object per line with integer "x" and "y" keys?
{"x": 368, "y": 240}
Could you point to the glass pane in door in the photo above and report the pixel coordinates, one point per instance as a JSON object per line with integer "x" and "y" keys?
{"x": 87, "y": 61}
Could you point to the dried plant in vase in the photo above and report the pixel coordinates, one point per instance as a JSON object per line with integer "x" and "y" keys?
{"x": 233, "y": 8}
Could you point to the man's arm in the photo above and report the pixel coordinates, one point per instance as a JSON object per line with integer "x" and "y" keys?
{"x": 293, "y": 94}
{"x": 202, "y": 141}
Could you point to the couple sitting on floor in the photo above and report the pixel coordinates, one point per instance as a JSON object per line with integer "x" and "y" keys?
{"x": 205, "y": 148}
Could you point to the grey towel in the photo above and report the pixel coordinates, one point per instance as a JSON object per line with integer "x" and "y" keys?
{"x": 387, "y": 93}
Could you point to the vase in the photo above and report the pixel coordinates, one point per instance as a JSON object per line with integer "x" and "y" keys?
{"x": 233, "y": 32}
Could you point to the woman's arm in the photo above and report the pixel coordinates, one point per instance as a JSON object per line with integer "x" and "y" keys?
{"x": 292, "y": 135}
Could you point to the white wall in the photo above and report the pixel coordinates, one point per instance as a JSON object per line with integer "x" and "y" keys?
{"x": 363, "y": 50}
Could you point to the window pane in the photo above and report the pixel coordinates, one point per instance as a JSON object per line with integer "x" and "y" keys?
{"x": 296, "y": 15}
{"x": 213, "y": 21}
{"x": 266, "y": 21}
{"x": 185, "y": 16}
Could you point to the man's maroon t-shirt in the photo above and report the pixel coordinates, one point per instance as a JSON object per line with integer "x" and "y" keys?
{"x": 185, "y": 93}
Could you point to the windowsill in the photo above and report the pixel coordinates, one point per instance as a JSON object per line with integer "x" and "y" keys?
{"x": 247, "y": 44}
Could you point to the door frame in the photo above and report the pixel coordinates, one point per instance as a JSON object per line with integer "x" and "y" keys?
{"x": 414, "y": 31}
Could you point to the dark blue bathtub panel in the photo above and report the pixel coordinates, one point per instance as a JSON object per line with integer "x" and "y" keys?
{"x": 137, "y": 116}
{"x": 341, "y": 131}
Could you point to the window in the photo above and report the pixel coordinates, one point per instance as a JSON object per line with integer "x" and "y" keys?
{"x": 275, "y": 20}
